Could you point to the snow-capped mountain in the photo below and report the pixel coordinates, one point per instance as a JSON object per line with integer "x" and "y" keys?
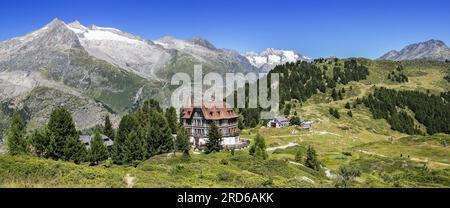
{"x": 97, "y": 70}
{"x": 432, "y": 49}
{"x": 122, "y": 49}
{"x": 269, "y": 58}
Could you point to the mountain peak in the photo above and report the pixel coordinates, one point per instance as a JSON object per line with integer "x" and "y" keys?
{"x": 435, "y": 41}
{"x": 432, "y": 49}
{"x": 55, "y": 22}
{"x": 202, "y": 42}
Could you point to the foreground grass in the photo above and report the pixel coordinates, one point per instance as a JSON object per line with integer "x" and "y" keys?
{"x": 215, "y": 170}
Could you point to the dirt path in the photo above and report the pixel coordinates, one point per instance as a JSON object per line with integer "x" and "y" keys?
{"x": 130, "y": 180}
{"x": 292, "y": 144}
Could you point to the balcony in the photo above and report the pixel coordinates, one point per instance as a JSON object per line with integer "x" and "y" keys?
{"x": 196, "y": 135}
{"x": 207, "y": 125}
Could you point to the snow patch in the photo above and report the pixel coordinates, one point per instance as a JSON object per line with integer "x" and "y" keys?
{"x": 110, "y": 36}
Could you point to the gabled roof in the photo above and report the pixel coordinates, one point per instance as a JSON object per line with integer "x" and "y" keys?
{"x": 211, "y": 111}
{"x": 281, "y": 119}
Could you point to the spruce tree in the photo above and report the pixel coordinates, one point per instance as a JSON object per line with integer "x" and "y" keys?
{"x": 159, "y": 136}
{"x": 172, "y": 120}
{"x": 15, "y": 141}
{"x": 119, "y": 151}
{"x": 108, "y": 129}
{"x": 66, "y": 144}
{"x": 311, "y": 159}
{"x": 214, "y": 139}
{"x": 154, "y": 105}
{"x": 135, "y": 147}
{"x": 182, "y": 141}
{"x": 98, "y": 151}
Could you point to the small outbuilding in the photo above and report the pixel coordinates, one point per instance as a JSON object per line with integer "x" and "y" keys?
{"x": 278, "y": 122}
{"x": 307, "y": 125}
{"x": 87, "y": 139}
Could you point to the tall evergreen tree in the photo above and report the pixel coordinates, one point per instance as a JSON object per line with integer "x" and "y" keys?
{"x": 15, "y": 141}
{"x": 241, "y": 124}
{"x": 214, "y": 139}
{"x": 159, "y": 136}
{"x": 143, "y": 115}
{"x": 172, "y": 120}
{"x": 66, "y": 142}
{"x": 119, "y": 151}
{"x": 135, "y": 147}
{"x": 98, "y": 151}
{"x": 108, "y": 129}
{"x": 311, "y": 159}
{"x": 182, "y": 141}
{"x": 154, "y": 105}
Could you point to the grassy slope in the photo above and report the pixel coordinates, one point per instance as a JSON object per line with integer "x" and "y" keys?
{"x": 375, "y": 150}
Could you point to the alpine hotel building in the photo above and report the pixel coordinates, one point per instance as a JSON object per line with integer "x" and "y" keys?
{"x": 196, "y": 120}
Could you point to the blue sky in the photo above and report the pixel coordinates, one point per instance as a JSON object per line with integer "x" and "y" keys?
{"x": 346, "y": 28}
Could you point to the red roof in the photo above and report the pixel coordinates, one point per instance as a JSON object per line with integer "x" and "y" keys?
{"x": 211, "y": 111}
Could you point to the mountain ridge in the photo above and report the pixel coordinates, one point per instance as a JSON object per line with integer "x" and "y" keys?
{"x": 432, "y": 49}
{"x": 96, "y": 70}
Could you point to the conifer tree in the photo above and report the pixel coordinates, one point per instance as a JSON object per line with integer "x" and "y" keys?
{"x": 311, "y": 159}
{"x": 15, "y": 141}
{"x": 135, "y": 147}
{"x": 65, "y": 143}
{"x": 159, "y": 136}
{"x": 119, "y": 151}
{"x": 172, "y": 120}
{"x": 182, "y": 142}
{"x": 143, "y": 115}
{"x": 241, "y": 124}
{"x": 154, "y": 105}
{"x": 108, "y": 129}
{"x": 214, "y": 139}
{"x": 98, "y": 150}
